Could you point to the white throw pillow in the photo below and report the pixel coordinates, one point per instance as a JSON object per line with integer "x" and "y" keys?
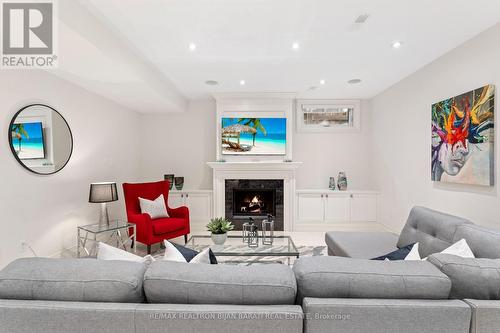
{"x": 414, "y": 254}
{"x": 202, "y": 258}
{"x": 459, "y": 249}
{"x": 156, "y": 208}
{"x": 108, "y": 252}
{"x": 172, "y": 254}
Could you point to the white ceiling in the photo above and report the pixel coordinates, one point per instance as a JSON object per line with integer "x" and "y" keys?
{"x": 251, "y": 40}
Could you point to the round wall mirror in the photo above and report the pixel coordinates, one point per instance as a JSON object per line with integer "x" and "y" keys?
{"x": 40, "y": 139}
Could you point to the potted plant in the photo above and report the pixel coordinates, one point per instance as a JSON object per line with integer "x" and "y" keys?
{"x": 219, "y": 227}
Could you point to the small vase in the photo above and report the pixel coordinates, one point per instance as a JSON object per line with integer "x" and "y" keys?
{"x": 219, "y": 239}
{"x": 331, "y": 184}
{"x": 170, "y": 178}
{"x": 179, "y": 183}
{"x": 342, "y": 181}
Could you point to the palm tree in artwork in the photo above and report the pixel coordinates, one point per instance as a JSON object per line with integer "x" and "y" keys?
{"x": 254, "y": 123}
{"x": 18, "y": 132}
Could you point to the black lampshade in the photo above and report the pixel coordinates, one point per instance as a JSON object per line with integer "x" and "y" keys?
{"x": 103, "y": 192}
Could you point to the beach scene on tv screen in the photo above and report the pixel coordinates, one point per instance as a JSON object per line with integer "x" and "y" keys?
{"x": 253, "y": 136}
{"x": 27, "y": 140}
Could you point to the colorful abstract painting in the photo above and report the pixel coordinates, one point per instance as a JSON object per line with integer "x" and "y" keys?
{"x": 463, "y": 136}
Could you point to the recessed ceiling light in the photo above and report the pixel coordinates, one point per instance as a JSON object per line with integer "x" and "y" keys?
{"x": 396, "y": 44}
{"x": 242, "y": 82}
{"x": 354, "y": 81}
{"x": 361, "y": 18}
{"x": 295, "y": 45}
{"x": 192, "y": 46}
{"x": 211, "y": 82}
{"x": 322, "y": 82}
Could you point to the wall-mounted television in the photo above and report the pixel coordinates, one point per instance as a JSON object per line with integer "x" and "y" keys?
{"x": 253, "y": 136}
{"x": 28, "y": 140}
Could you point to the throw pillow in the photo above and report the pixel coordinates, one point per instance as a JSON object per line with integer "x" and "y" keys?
{"x": 202, "y": 258}
{"x": 399, "y": 254}
{"x": 189, "y": 254}
{"x": 155, "y": 208}
{"x": 414, "y": 254}
{"x": 171, "y": 253}
{"x": 108, "y": 252}
{"x": 459, "y": 249}
{"x": 179, "y": 253}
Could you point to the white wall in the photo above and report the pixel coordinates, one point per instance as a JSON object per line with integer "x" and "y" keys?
{"x": 180, "y": 144}
{"x": 183, "y": 143}
{"x": 45, "y": 210}
{"x": 324, "y": 155}
{"x": 402, "y": 138}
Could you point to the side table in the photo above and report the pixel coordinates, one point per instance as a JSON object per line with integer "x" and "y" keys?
{"x": 88, "y": 234}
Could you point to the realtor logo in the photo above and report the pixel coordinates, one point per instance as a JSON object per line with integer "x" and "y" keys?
{"x": 28, "y": 34}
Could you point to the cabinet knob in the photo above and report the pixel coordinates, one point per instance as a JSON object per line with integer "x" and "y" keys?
{"x": 182, "y": 195}
{"x": 327, "y": 195}
{"x": 187, "y": 195}
{"x": 322, "y": 195}
{"x": 352, "y": 196}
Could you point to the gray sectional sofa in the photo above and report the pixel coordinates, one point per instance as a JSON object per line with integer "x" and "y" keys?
{"x": 445, "y": 294}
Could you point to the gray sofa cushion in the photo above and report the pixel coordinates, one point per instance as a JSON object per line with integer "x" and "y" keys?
{"x": 336, "y": 277}
{"x": 484, "y": 242}
{"x": 183, "y": 283}
{"x": 83, "y": 280}
{"x": 485, "y": 316}
{"x": 363, "y": 245}
{"x": 433, "y": 230}
{"x": 470, "y": 277}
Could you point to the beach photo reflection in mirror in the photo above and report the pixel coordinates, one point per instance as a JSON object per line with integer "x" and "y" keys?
{"x": 40, "y": 139}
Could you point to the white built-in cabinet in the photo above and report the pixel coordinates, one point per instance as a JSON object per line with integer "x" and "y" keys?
{"x": 329, "y": 207}
{"x": 199, "y": 203}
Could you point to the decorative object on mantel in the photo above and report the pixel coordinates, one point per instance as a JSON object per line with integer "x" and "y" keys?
{"x": 103, "y": 193}
{"x": 219, "y": 227}
{"x": 268, "y": 230}
{"x": 463, "y": 136}
{"x": 170, "y": 178}
{"x": 342, "y": 181}
{"x": 179, "y": 183}
{"x": 250, "y": 233}
{"x": 331, "y": 184}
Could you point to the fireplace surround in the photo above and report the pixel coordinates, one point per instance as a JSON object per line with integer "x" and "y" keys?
{"x": 254, "y": 198}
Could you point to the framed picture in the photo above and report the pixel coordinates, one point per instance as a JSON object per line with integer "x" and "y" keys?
{"x": 335, "y": 116}
{"x": 463, "y": 137}
{"x": 253, "y": 136}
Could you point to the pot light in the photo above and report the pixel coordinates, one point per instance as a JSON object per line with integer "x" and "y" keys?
{"x": 192, "y": 46}
{"x": 396, "y": 44}
{"x": 295, "y": 45}
{"x": 354, "y": 81}
{"x": 211, "y": 82}
{"x": 242, "y": 82}
{"x": 322, "y": 82}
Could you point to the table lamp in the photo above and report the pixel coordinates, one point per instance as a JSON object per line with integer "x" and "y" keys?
{"x": 103, "y": 193}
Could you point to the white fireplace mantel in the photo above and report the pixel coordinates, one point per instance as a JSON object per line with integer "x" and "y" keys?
{"x": 255, "y": 170}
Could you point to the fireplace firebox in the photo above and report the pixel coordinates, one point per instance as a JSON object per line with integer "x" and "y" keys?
{"x": 254, "y": 198}
{"x": 253, "y": 202}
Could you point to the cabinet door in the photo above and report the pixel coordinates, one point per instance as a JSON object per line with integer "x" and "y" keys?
{"x": 363, "y": 208}
{"x": 176, "y": 199}
{"x": 310, "y": 208}
{"x": 337, "y": 208}
{"x": 200, "y": 206}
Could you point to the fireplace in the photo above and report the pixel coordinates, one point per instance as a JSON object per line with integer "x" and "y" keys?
{"x": 254, "y": 198}
{"x": 254, "y": 203}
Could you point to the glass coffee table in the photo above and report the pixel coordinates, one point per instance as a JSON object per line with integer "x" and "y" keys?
{"x": 234, "y": 247}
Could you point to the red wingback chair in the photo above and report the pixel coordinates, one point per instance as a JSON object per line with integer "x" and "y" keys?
{"x": 151, "y": 231}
